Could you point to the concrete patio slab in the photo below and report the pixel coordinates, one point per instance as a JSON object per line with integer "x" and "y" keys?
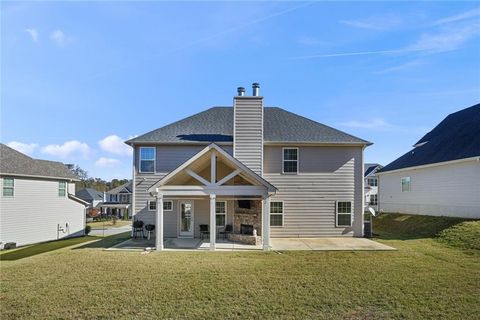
{"x": 328, "y": 244}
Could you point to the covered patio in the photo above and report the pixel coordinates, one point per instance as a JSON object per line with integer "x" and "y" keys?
{"x": 209, "y": 177}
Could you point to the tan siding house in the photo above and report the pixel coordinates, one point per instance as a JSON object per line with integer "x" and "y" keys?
{"x": 255, "y": 172}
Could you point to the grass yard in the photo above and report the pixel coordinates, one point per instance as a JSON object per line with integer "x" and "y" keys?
{"x": 432, "y": 276}
{"x": 108, "y": 224}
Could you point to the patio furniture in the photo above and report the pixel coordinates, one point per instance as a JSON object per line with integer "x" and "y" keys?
{"x": 204, "y": 231}
{"x": 228, "y": 229}
{"x": 138, "y": 228}
{"x": 149, "y": 228}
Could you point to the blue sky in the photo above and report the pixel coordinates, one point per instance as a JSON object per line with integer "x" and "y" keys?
{"x": 78, "y": 78}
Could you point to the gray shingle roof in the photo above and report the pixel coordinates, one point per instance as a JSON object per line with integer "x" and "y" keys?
{"x": 127, "y": 186}
{"x": 456, "y": 137}
{"x": 89, "y": 194}
{"x": 370, "y": 167}
{"x": 216, "y": 125}
{"x": 16, "y": 163}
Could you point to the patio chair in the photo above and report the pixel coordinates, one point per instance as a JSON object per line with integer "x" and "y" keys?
{"x": 149, "y": 228}
{"x": 204, "y": 231}
{"x": 228, "y": 229}
{"x": 138, "y": 228}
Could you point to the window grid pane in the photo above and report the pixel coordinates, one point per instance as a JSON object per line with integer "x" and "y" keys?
{"x": 167, "y": 205}
{"x": 290, "y": 166}
{"x": 8, "y": 187}
{"x": 147, "y": 153}
{"x": 276, "y": 207}
{"x": 152, "y": 205}
{"x": 220, "y": 220}
{"x": 147, "y": 165}
{"x": 344, "y": 219}
{"x": 8, "y": 182}
{"x": 62, "y": 186}
{"x": 220, "y": 207}
{"x": 344, "y": 207}
{"x": 290, "y": 154}
{"x": 276, "y": 220}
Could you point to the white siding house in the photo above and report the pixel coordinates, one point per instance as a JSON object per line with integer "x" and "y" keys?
{"x": 37, "y": 201}
{"x": 441, "y": 175}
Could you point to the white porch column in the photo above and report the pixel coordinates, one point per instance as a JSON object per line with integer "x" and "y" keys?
{"x": 213, "y": 226}
{"x": 266, "y": 224}
{"x": 159, "y": 223}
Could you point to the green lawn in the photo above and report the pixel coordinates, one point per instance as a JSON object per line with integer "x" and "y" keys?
{"x": 108, "y": 224}
{"x": 429, "y": 277}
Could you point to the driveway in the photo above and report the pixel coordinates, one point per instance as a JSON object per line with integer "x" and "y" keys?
{"x": 328, "y": 244}
{"x": 110, "y": 231}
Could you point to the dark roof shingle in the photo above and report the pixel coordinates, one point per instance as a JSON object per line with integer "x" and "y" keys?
{"x": 216, "y": 125}
{"x": 89, "y": 194}
{"x": 16, "y": 163}
{"x": 456, "y": 137}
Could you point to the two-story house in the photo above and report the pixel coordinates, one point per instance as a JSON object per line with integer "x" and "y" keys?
{"x": 371, "y": 185}
{"x": 37, "y": 201}
{"x": 263, "y": 171}
{"x": 118, "y": 201}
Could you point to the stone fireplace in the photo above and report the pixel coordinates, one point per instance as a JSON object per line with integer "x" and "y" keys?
{"x": 247, "y": 218}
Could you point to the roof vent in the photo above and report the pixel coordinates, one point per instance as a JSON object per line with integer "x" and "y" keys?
{"x": 241, "y": 91}
{"x": 256, "y": 89}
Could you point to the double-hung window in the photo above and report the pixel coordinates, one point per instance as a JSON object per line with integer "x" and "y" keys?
{"x": 220, "y": 213}
{"x": 276, "y": 214}
{"x": 8, "y": 187}
{"x": 406, "y": 184}
{"x": 290, "y": 160}
{"x": 62, "y": 188}
{"x": 373, "y": 199}
{"x": 147, "y": 159}
{"x": 344, "y": 213}
{"x": 167, "y": 205}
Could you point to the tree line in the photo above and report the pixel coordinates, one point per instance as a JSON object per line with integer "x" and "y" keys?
{"x": 94, "y": 183}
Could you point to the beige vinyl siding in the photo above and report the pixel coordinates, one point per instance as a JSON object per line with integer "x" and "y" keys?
{"x": 248, "y": 133}
{"x": 35, "y": 210}
{"x": 168, "y": 158}
{"x": 446, "y": 190}
{"x": 326, "y": 175}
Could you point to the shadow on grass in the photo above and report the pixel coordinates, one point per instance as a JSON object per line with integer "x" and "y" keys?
{"x": 395, "y": 226}
{"x": 106, "y": 242}
{"x": 42, "y": 248}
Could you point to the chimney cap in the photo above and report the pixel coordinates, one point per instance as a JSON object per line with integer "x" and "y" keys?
{"x": 256, "y": 85}
{"x": 241, "y": 91}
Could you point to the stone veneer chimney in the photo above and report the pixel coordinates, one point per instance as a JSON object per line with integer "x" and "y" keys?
{"x": 248, "y": 129}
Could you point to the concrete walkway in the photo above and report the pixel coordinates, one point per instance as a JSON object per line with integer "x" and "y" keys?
{"x": 328, "y": 244}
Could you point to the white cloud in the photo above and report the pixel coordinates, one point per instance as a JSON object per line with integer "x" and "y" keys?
{"x": 106, "y": 162}
{"x": 378, "y": 23}
{"x": 68, "y": 149}
{"x": 459, "y": 17}
{"x": 59, "y": 37}
{"x": 27, "y": 148}
{"x": 115, "y": 145}
{"x": 33, "y": 33}
{"x": 376, "y": 123}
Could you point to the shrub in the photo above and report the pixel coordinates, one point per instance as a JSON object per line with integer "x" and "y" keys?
{"x": 87, "y": 229}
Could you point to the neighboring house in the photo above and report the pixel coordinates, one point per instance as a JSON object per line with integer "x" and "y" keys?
{"x": 118, "y": 201}
{"x": 441, "y": 175}
{"x": 265, "y": 171}
{"x": 371, "y": 184}
{"x": 92, "y": 196}
{"x": 37, "y": 202}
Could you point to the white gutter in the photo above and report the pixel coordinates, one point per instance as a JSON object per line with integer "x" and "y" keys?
{"x": 430, "y": 165}
{"x": 35, "y": 176}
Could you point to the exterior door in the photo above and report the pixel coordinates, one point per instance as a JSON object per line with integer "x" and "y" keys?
{"x": 186, "y": 219}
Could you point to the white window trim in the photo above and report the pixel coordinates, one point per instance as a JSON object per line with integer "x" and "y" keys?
{"x": 140, "y": 159}
{"x": 225, "y": 214}
{"x": 12, "y": 187}
{"x": 283, "y": 160}
{"x": 65, "y": 189}
{"x": 409, "y": 184}
{"x": 164, "y": 201}
{"x": 171, "y": 205}
{"x": 283, "y": 213}
{"x": 336, "y": 214}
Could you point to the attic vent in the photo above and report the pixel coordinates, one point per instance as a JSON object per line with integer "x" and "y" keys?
{"x": 420, "y": 144}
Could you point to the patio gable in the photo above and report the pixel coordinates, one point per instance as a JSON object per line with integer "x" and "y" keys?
{"x": 213, "y": 171}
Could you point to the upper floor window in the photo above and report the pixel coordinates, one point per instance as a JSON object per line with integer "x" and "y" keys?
{"x": 406, "y": 184}
{"x": 147, "y": 159}
{"x": 62, "y": 188}
{"x": 8, "y": 187}
{"x": 290, "y": 160}
{"x": 372, "y": 182}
